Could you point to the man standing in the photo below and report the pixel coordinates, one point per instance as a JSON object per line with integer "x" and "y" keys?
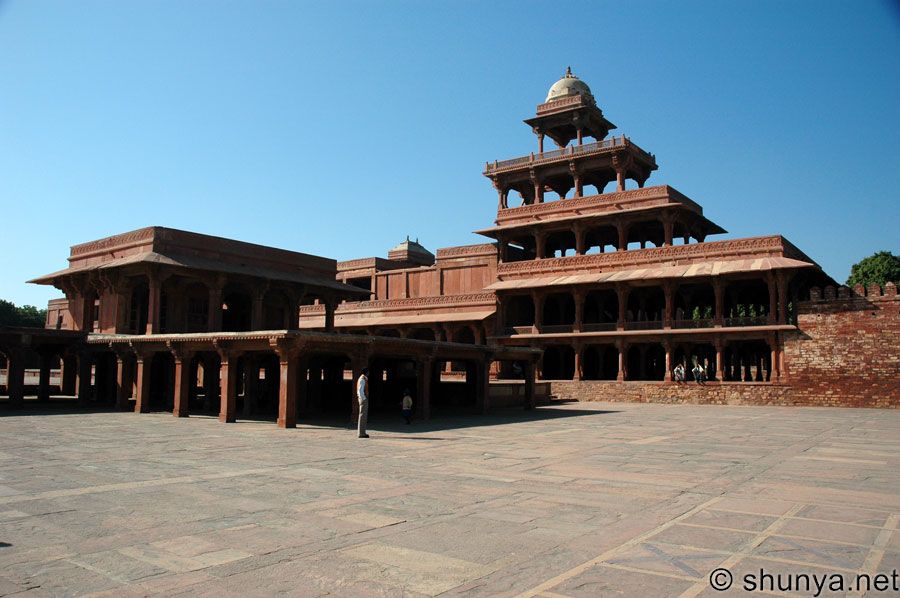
{"x": 362, "y": 395}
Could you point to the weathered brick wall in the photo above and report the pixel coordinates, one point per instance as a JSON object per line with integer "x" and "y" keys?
{"x": 727, "y": 393}
{"x": 846, "y": 353}
{"x": 847, "y": 349}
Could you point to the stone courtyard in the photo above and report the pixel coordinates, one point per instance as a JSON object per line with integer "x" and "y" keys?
{"x": 567, "y": 500}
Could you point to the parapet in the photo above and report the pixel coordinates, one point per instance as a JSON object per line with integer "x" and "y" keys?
{"x": 873, "y": 291}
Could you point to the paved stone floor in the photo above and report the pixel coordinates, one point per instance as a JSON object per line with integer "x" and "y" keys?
{"x": 569, "y": 500}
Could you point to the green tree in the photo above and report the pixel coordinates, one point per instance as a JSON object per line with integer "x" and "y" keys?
{"x": 879, "y": 268}
{"x": 25, "y": 315}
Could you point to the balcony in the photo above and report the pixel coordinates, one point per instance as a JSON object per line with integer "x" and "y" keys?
{"x": 587, "y": 149}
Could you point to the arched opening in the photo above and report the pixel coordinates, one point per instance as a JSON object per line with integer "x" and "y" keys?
{"x": 464, "y": 335}
{"x": 746, "y": 303}
{"x": 518, "y": 311}
{"x": 601, "y": 311}
{"x": 277, "y": 311}
{"x": 422, "y": 334}
{"x": 236, "y": 310}
{"x": 520, "y": 248}
{"x": 162, "y": 382}
{"x": 559, "y": 312}
{"x": 645, "y": 308}
{"x": 747, "y": 361}
{"x": 695, "y": 306}
{"x": 601, "y": 239}
{"x": 600, "y": 362}
{"x": 559, "y": 244}
{"x": 138, "y": 306}
{"x": 196, "y": 312}
{"x": 646, "y": 362}
{"x": 558, "y": 363}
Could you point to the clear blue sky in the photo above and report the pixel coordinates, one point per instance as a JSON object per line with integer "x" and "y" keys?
{"x": 339, "y": 128}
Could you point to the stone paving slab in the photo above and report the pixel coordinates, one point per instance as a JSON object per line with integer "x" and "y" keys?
{"x": 569, "y": 500}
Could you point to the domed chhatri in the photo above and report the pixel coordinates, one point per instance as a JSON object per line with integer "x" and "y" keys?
{"x": 569, "y": 85}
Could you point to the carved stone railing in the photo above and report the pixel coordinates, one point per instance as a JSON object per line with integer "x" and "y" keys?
{"x": 597, "y": 147}
{"x": 752, "y": 248}
{"x": 554, "y": 105}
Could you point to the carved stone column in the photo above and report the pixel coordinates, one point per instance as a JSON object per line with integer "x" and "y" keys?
{"x": 622, "y": 295}
{"x": 124, "y": 380}
{"x": 15, "y": 377}
{"x": 579, "y": 295}
{"x": 622, "y": 230}
{"x": 669, "y": 293}
{"x": 720, "y": 365}
{"x": 537, "y": 297}
{"x": 85, "y": 365}
{"x": 622, "y": 346}
{"x": 154, "y": 303}
{"x": 719, "y": 291}
{"x": 771, "y": 285}
{"x": 668, "y": 347}
{"x": 540, "y": 245}
{"x": 229, "y": 374}
{"x": 143, "y": 359}
{"x": 578, "y": 350}
{"x": 183, "y": 382}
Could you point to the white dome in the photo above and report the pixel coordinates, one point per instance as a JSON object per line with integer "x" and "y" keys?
{"x": 569, "y": 85}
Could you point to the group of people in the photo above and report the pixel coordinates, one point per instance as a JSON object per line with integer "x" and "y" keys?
{"x": 698, "y": 371}
{"x": 362, "y": 395}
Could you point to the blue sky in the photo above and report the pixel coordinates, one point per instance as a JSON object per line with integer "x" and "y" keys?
{"x": 340, "y": 128}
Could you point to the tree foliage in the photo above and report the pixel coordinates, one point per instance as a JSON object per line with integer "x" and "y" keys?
{"x": 24, "y": 315}
{"x": 879, "y": 268}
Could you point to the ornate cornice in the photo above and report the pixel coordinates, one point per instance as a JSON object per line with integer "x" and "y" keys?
{"x": 466, "y": 251}
{"x": 754, "y": 247}
{"x": 117, "y": 241}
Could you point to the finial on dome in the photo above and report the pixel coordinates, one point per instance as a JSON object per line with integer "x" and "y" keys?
{"x": 569, "y": 85}
{"x": 569, "y": 72}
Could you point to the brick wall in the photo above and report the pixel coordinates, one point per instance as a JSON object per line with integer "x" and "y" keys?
{"x": 845, "y": 353}
{"x": 847, "y": 349}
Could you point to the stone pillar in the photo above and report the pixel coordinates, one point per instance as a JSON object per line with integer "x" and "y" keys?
{"x": 540, "y": 242}
{"x": 538, "y": 190}
{"x": 142, "y": 381}
{"x": 622, "y": 295}
{"x": 424, "y": 374}
{"x": 621, "y": 346}
{"x": 214, "y": 316}
{"x": 540, "y": 137}
{"x": 620, "y": 179}
{"x": 622, "y": 230}
{"x": 529, "y": 399}
{"x": 782, "y": 281}
{"x": 719, "y": 291}
{"x": 15, "y": 377}
{"x": 85, "y": 364}
{"x": 154, "y": 304}
{"x": 669, "y": 309}
{"x": 579, "y": 189}
{"x": 580, "y": 233}
{"x": 183, "y": 382}
{"x": 579, "y": 295}
{"x": 720, "y": 369}
{"x": 43, "y": 393}
{"x": 124, "y": 381}
{"x": 668, "y": 231}
{"x": 773, "y": 298}
{"x": 228, "y": 392}
{"x": 537, "y": 298}
{"x": 579, "y": 135}
{"x": 287, "y": 387}
{"x": 330, "y": 306}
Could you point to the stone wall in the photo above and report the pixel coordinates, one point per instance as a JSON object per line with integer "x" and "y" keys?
{"x": 711, "y": 393}
{"x": 847, "y": 349}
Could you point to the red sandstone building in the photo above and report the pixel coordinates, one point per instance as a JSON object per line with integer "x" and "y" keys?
{"x": 602, "y": 282}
